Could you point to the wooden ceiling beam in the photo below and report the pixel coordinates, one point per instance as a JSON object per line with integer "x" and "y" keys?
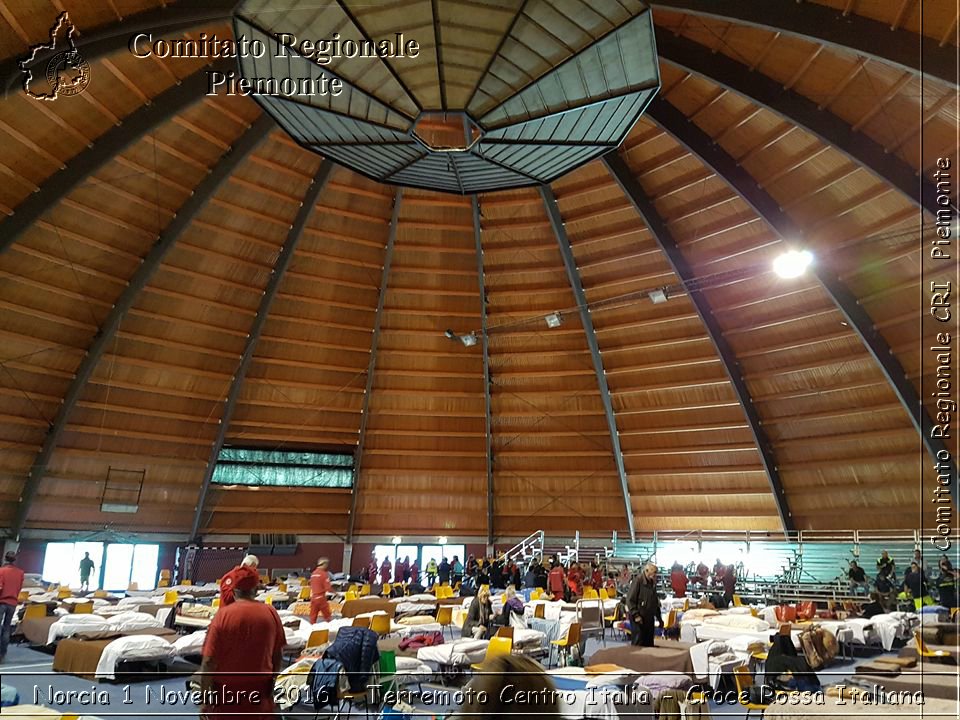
{"x": 819, "y": 24}
{"x": 848, "y": 305}
{"x": 631, "y": 187}
{"x": 802, "y": 112}
{"x": 358, "y": 455}
{"x": 307, "y": 207}
{"x": 167, "y": 240}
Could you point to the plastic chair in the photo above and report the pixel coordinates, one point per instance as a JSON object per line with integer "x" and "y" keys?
{"x": 100, "y": 594}
{"x": 185, "y": 583}
{"x": 216, "y": 603}
{"x": 136, "y": 586}
{"x": 445, "y": 618}
{"x": 590, "y": 594}
{"x": 536, "y": 594}
{"x": 304, "y": 594}
{"x": 63, "y": 593}
{"x": 365, "y": 589}
{"x": 281, "y": 587}
{"x": 380, "y": 624}
{"x": 736, "y": 601}
{"x": 539, "y": 611}
{"x": 604, "y": 595}
{"x": 318, "y": 638}
{"x": 363, "y": 622}
{"x": 671, "y": 619}
{"x": 686, "y": 604}
{"x": 84, "y": 608}
{"x": 612, "y": 620}
{"x": 170, "y": 597}
{"x": 23, "y": 596}
{"x": 349, "y": 595}
{"x": 386, "y": 589}
{"x": 744, "y": 680}
{"x": 498, "y": 646}
{"x": 563, "y": 646}
{"x": 34, "y": 612}
{"x": 505, "y": 631}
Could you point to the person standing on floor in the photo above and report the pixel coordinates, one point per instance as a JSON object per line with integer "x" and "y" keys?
{"x": 431, "y": 572}
{"x": 242, "y": 654}
{"x": 729, "y": 585}
{"x": 86, "y": 567}
{"x": 228, "y": 580}
{"x": 643, "y": 606}
{"x": 385, "y": 569}
{"x": 678, "y": 580}
{"x": 319, "y": 587}
{"x": 11, "y": 583}
{"x": 556, "y": 582}
{"x": 947, "y": 584}
{"x": 443, "y": 571}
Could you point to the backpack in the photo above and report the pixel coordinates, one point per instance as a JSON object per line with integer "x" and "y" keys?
{"x": 819, "y": 647}
{"x": 324, "y": 681}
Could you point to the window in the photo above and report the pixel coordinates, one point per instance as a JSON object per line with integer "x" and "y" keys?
{"x": 281, "y": 468}
{"x": 61, "y": 563}
{"x": 122, "y": 563}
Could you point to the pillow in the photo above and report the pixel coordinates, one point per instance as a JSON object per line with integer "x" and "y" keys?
{"x": 191, "y": 644}
{"x": 699, "y": 614}
{"x": 664, "y": 678}
{"x": 742, "y": 610}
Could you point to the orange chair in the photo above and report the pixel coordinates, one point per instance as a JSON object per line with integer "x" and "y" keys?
{"x": 380, "y": 624}
{"x": 84, "y": 608}
{"x": 505, "y": 631}
{"x": 924, "y": 652}
{"x": 363, "y": 622}
{"x": 563, "y": 646}
{"x": 318, "y": 638}
{"x": 539, "y": 611}
{"x": 744, "y": 680}
{"x": 445, "y": 618}
{"x": 498, "y": 646}
{"x": 34, "y": 612}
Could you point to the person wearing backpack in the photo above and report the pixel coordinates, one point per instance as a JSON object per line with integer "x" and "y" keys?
{"x": 643, "y": 606}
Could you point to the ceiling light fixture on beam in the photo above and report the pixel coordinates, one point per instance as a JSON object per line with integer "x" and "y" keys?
{"x": 468, "y": 340}
{"x": 658, "y": 296}
{"x": 554, "y": 320}
{"x": 792, "y": 264}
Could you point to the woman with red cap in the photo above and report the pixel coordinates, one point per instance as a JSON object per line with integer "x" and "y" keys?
{"x": 319, "y": 587}
{"x": 242, "y": 655}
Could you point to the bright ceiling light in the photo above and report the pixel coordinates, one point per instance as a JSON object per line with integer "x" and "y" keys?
{"x": 442, "y": 540}
{"x": 554, "y": 320}
{"x": 468, "y": 340}
{"x": 397, "y": 539}
{"x": 792, "y": 263}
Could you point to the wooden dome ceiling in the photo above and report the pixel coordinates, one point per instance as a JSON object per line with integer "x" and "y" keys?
{"x": 177, "y": 273}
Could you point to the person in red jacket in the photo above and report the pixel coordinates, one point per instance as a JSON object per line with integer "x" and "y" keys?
{"x": 385, "y": 571}
{"x": 11, "y": 583}
{"x": 228, "y": 581}
{"x": 703, "y": 574}
{"x": 556, "y": 581}
{"x": 678, "y": 580}
{"x": 242, "y": 654}
{"x": 575, "y": 579}
{"x": 414, "y": 573}
{"x": 319, "y": 587}
{"x": 401, "y": 570}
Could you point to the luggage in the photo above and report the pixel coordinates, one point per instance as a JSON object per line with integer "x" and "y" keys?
{"x": 786, "y": 613}
{"x": 806, "y": 610}
{"x": 819, "y": 647}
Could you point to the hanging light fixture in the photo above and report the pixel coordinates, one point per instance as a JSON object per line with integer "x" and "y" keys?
{"x": 554, "y": 320}
{"x": 792, "y": 264}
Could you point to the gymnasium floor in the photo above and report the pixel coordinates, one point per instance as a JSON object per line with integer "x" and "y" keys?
{"x": 29, "y": 672}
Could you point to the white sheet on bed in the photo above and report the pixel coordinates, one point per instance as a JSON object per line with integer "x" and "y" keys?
{"x": 459, "y": 652}
{"x": 135, "y": 647}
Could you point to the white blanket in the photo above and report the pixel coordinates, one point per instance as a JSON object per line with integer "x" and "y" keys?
{"x": 135, "y": 647}
{"x": 70, "y": 625}
{"x": 459, "y": 652}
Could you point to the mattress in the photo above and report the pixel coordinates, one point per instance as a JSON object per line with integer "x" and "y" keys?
{"x": 130, "y": 648}
{"x": 665, "y": 655}
{"x": 80, "y": 655}
{"x": 37, "y": 630}
{"x": 940, "y": 684}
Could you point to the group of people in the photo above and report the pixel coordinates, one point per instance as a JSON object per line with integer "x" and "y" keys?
{"x": 723, "y": 581}
{"x": 915, "y": 585}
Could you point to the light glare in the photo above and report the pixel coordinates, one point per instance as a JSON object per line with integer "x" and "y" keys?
{"x": 793, "y": 263}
